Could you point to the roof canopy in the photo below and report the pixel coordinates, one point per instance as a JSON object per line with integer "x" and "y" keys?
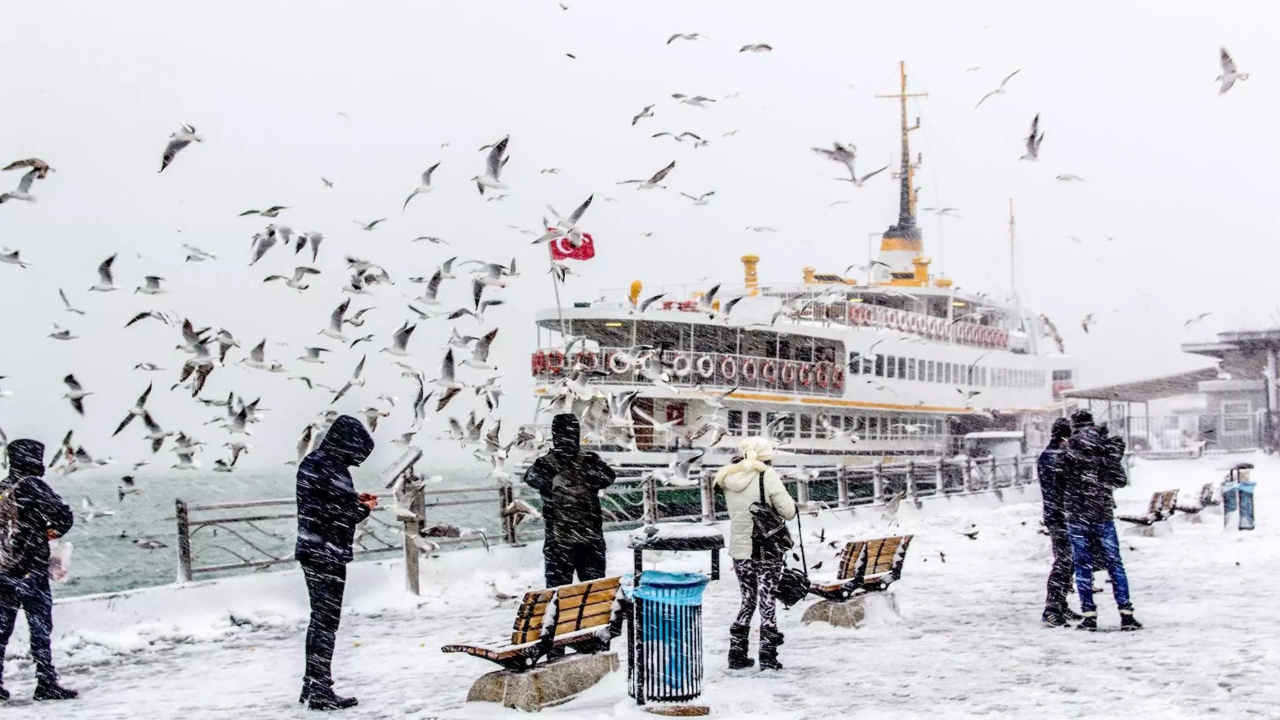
{"x": 1145, "y": 390}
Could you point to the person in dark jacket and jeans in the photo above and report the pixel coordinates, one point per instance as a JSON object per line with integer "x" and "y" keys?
{"x": 40, "y": 516}
{"x": 570, "y": 482}
{"x": 1051, "y": 471}
{"x": 328, "y": 511}
{"x": 1094, "y": 470}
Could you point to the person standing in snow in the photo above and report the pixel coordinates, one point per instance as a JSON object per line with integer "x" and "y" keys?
{"x": 1050, "y": 470}
{"x": 31, "y": 514}
{"x": 328, "y": 511}
{"x": 743, "y": 482}
{"x": 1094, "y": 470}
{"x": 570, "y": 482}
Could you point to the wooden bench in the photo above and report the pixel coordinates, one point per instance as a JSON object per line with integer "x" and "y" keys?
{"x": 585, "y": 617}
{"x": 1162, "y": 507}
{"x": 865, "y": 566}
{"x": 1206, "y": 500}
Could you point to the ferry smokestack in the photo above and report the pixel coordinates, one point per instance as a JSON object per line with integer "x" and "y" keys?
{"x": 750, "y": 279}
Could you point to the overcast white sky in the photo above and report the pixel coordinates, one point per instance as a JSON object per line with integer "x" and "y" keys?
{"x": 1176, "y": 174}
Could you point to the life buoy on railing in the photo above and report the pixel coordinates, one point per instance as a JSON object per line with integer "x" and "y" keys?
{"x": 588, "y": 359}
{"x": 769, "y": 373}
{"x": 706, "y": 366}
{"x": 1002, "y": 338}
{"x": 788, "y": 375}
{"x": 822, "y": 375}
{"x": 729, "y": 367}
{"x": 837, "y": 378}
{"x": 805, "y": 375}
{"x": 617, "y": 363}
{"x": 913, "y": 323}
{"x": 891, "y": 320}
{"x": 539, "y": 362}
{"x": 988, "y": 336}
{"x": 555, "y": 361}
{"x": 682, "y": 365}
{"x": 750, "y": 371}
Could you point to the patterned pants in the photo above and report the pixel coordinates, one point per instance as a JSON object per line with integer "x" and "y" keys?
{"x": 758, "y": 583}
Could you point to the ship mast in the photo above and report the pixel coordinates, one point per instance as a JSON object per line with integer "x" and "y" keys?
{"x": 902, "y": 242}
{"x": 1013, "y": 264}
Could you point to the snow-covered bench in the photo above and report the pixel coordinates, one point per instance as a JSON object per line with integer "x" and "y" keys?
{"x": 585, "y": 617}
{"x": 1206, "y": 500}
{"x": 865, "y": 566}
{"x": 1162, "y": 507}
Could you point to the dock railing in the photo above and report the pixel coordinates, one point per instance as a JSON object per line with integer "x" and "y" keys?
{"x": 251, "y": 542}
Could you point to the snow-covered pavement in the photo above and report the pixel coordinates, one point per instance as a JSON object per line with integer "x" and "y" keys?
{"x": 967, "y": 643}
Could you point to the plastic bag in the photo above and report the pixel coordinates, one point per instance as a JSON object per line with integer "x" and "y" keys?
{"x": 59, "y": 560}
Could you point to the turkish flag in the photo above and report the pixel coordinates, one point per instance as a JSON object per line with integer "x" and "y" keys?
{"x": 563, "y": 249}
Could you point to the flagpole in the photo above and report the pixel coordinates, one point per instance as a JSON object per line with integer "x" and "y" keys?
{"x": 555, "y": 283}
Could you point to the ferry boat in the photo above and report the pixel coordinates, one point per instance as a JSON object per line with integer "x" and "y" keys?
{"x": 841, "y": 372}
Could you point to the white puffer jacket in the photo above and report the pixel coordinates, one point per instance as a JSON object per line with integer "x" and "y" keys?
{"x": 740, "y": 484}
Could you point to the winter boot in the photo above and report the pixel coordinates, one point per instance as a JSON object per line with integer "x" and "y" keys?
{"x": 770, "y": 639}
{"x": 740, "y": 647}
{"x": 4, "y": 695}
{"x": 1053, "y": 618}
{"x": 53, "y": 691}
{"x": 328, "y": 701}
{"x": 1128, "y": 622}
{"x": 1090, "y": 622}
{"x": 306, "y": 691}
{"x": 1071, "y": 615}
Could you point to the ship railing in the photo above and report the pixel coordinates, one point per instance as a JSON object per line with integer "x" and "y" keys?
{"x": 727, "y": 370}
{"x": 259, "y": 534}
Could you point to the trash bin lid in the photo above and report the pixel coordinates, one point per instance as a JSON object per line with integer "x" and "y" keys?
{"x": 672, "y": 588}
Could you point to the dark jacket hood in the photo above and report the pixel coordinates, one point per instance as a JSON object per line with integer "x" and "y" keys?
{"x": 347, "y": 441}
{"x": 26, "y": 458}
{"x": 566, "y": 434}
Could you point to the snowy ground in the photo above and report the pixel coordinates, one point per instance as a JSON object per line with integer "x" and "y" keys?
{"x": 967, "y": 644}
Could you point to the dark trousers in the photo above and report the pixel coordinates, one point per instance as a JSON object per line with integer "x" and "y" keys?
{"x": 587, "y": 559}
{"x": 1086, "y": 539}
{"x": 31, "y": 595}
{"x": 1060, "y": 575}
{"x": 325, "y": 585}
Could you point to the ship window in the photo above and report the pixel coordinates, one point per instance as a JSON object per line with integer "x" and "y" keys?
{"x": 873, "y": 426}
{"x": 806, "y": 426}
{"x": 855, "y": 363}
{"x": 606, "y": 333}
{"x": 879, "y": 366}
{"x": 715, "y": 339}
{"x": 891, "y": 367}
{"x": 929, "y": 370}
{"x": 911, "y": 368}
{"x": 753, "y": 423}
{"x": 946, "y": 373}
{"x": 759, "y": 344}
{"x": 984, "y": 376}
{"x": 735, "y": 422}
{"x": 902, "y": 367}
{"x": 1061, "y": 375}
{"x": 853, "y": 423}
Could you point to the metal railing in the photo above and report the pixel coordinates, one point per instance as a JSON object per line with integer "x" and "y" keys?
{"x": 723, "y": 374}
{"x": 634, "y": 499}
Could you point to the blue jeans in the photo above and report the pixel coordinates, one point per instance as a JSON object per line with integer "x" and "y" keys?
{"x": 32, "y": 595}
{"x": 1102, "y": 536}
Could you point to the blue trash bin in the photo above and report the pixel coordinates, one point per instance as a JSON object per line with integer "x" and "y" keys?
{"x": 665, "y": 649}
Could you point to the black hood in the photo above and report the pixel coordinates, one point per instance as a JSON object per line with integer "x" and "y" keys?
{"x": 347, "y": 440}
{"x": 566, "y": 434}
{"x": 26, "y": 458}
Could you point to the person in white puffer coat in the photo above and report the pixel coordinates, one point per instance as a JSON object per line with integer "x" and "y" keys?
{"x": 740, "y": 481}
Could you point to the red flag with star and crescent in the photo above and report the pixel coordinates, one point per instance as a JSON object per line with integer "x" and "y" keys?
{"x": 563, "y": 249}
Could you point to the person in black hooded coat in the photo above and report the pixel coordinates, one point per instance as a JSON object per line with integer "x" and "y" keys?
{"x": 328, "y": 511}
{"x": 1051, "y": 471}
{"x": 570, "y": 481}
{"x": 41, "y": 516}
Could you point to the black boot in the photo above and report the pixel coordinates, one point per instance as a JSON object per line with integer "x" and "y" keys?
{"x": 326, "y": 700}
{"x": 1090, "y": 622}
{"x": 740, "y": 647}
{"x": 770, "y": 639}
{"x": 1053, "y": 618}
{"x": 306, "y": 690}
{"x": 1128, "y": 622}
{"x": 1071, "y": 615}
{"x": 53, "y": 691}
{"x": 4, "y": 695}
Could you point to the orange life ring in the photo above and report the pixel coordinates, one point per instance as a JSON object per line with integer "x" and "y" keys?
{"x": 555, "y": 361}
{"x": 822, "y": 375}
{"x": 788, "y": 374}
{"x": 769, "y": 373}
{"x": 708, "y": 368}
{"x": 805, "y": 375}
{"x": 749, "y": 370}
{"x": 837, "y": 378}
{"x": 588, "y": 358}
{"x": 729, "y": 367}
{"x": 617, "y": 363}
{"x": 539, "y": 362}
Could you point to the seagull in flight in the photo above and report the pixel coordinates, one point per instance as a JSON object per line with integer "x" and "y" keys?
{"x": 756, "y": 48}
{"x": 1087, "y": 322}
{"x": 1034, "y": 140}
{"x": 67, "y": 304}
{"x": 138, "y": 409}
{"x": 493, "y": 167}
{"x": 1228, "y": 77}
{"x": 701, "y": 199}
{"x": 400, "y": 341}
{"x": 41, "y": 167}
{"x": 270, "y": 212}
{"x": 760, "y": 229}
{"x": 999, "y": 90}
{"x": 696, "y": 101}
{"x": 23, "y": 192}
{"x": 653, "y": 181}
{"x": 184, "y": 137}
{"x": 10, "y": 257}
{"x": 369, "y": 225}
{"x": 1196, "y": 319}
{"x": 295, "y": 282}
{"x": 422, "y": 189}
{"x": 646, "y": 112}
{"x": 105, "y": 281}
{"x": 1070, "y": 177}
{"x": 686, "y": 36}
{"x": 357, "y": 379}
{"x": 75, "y": 393}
